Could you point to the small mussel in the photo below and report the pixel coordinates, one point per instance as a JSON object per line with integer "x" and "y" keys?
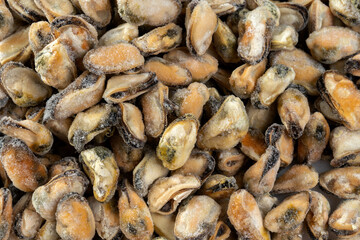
{"x": 222, "y": 231}
{"x": 223, "y": 7}
{"x": 270, "y": 85}
{"x": 40, "y": 35}
{"x": 26, "y": 10}
{"x": 23, "y": 85}
{"x": 244, "y": 214}
{"x": 332, "y": 87}
{"x": 346, "y": 10}
{"x": 318, "y": 216}
{"x": 292, "y": 14}
{"x": 266, "y": 202}
{"x": 99, "y": 164}
{"x": 314, "y": 139}
{"x": 164, "y": 225}
{"x": 328, "y": 112}
{"x": 229, "y": 161}
{"x": 159, "y": 40}
{"x": 344, "y": 221}
{"x": 7, "y": 25}
{"x": 284, "y": 37}
{"x": 113, "y": 59}
{"x": 134, "y": 215}
{"x": 131, "y": 126}
{"x": 88, "y": 87}
{"x": 64, "y": 164}
{"x": 6, "y": 216}
{"x": 253, "y": 144}
{"x": 60, "y": 128}
{"x": 343, "y": 143}
{"x": 166, "y": 193}
{"x": 177, "y": 141}
{"x": 98, "y": 11}
{"x": 48, "y": 231}
{"x": 124, "y": 32}
{"x": 35, "y": 114}
{"x": 260, "y": 119}
{"x": 197, "y": 218}
{"x": 56, "y": 9}
{"x": 289, "y": 214}
{"x": 201, "y": 23}
{"x": 146, "y": 172}
{"x": 320, "y": 16}
{"x": 150, "y": 12}
{"x": 103, "y": 117}
{"x": 352, "y": 65}
{"x": 73, "y": 208}
{"x": 330, "y": 44}
{"x": 260, "y": 177}
{"x": 218, "y": 186}
{"x": 343, "y": 182}
{"x": 126, "y": 87}
{"x": 225, "y": 129}
{"x": 298, "y": 178}
{"x": 45, "y": 199}
{"x": 294, "y": 111}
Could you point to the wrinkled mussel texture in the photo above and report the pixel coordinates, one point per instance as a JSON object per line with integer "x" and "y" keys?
{"x": 197, "y": 218}
{"x": 219, "y": 186}
{"x": 166, "y": 193}
{"x": 124, "y": 32}
{"x": 134, "y": 216}
{"x": 103, "y": 117}
{"x": 99, "y": 164}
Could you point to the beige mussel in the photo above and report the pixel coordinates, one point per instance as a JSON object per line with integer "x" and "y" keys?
{"x": 150, "y": 12}
{"x": 298, "y": 178}
{"x": 277, "y": 135}
{"x": 292, "y": 14}
{"x": 328, "y": 112}
{"x": 40, "y": 35}
{"x": 225, "y": 129}
{"x": 314, "y": 140}
{"x": 134, "y": 215}
{"x": 154, "y": 110}
{"x": 234, "y": 18}
{"x": 98, "y": 11}
{"x": 7, "y": 24}
{"x": 330, "y": 44}
{"x": 60, "y": 128}
{"x": 124, "y": 32}
{"x": 106, "y": 218}
{"x": 191, "y": 99}
{"x": 201, "y": 68}
{"x": 284, "y": 37}
{"x": 177, "y": 141}
{"x": 99, "y": 164}
{"x": 10, "y": 109}
{"x": 88, "y": 87}
{"x": 294, "y": 111}
{"x": 46, "y": 198}
{"x": 146, "y": 172}
{"x": 343, "y": 182}
{"x": 103, "y": 117}
{"x": 352, "y": 65}
{"x": 289, "y": 214}
{"x": 55, "y": 9}
{"x": 222, "y": 231}
{"x": 26, "y": 10}
{"x": 47, "y": 231}
{"x": 197, "y": 219}
{"x": 126, "y": 87}
{"x": 271, "y": 84}
{"x": 219, "y": 186}
{"x": 260, "y": 119}
{"x": 347, "y": 11}
{"x": 73, "y": 208}
{"x": 343, "y": 143}
{"x": 307, "y": 70}
{"x": 64, "y": 164}
{"x": 166, "y": 193}
{"x": 6, "y": 216}
{"x": 35, "y": 114}
{"x": 260, "y": 177}
{"x": 243, "y": 79}
{"x": 296, "y": 234}
{"x": 332, "y": 87}
{"x": 15, "y": 47}
{"x": 168, "y": 73}
{"x": 23, "y": 85}
{"x": 113, "y": 59}
{"x": 244, "y": 214}
{"x": 159, "y": 40}
{"x": 201, "y": 23}
{"x": 223, "y": 7}
{"x": 229, "y": 161}
{"x": 266, "y": 202}
{"x": 253, "y": 144}
{"x": 164, "y": 225}
{"x": 35, "y": 135}
{"x": 318, "y": 216}
{"x": 55, "y": 66}
{"x": 320, "y": 16}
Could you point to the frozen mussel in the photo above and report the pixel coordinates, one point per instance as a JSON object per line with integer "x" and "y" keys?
{"x": 284, "y": 37}
{"x": 99, "y": 164}
{"x": 64, "y": 164}
{"x": 98, "y": 11}
{"x": 229, "y": 161}
{"x": 352, "y": 65}
{"x": 40, "y": 35}
{"x": 7, "y": 25}
{"x": 164, "y": 225}
{"x": 222, "y": 231}
{"x": 6, "y": 216}
{"x": 320, "y": 16}
{"x": 197, "y": 218}
{"x": 260, "y": 119}
{"x": 271, "y": 84}
{"x": 219, "y": 186}
{"x": 46, "y": 198}
{"x": 124, "y": 32}
{"x": 47, "y": 231}
{"x": 292, "y": 14}
{"x": 26, "y": 10}
{"x": 126, "y": 87}
{"x": 53, "y": 9}
{"x": 35, "y": 114}
{"x": 296, "y": 234}
{"x": 347, "y": 11}
{"x": 223, "y": 7}
{"x": 253, "y": 144}
{"x": 166, "y": 193}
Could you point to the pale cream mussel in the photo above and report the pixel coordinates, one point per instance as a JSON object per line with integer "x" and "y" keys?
{"x": 229, "y": 161}
{"x": 328, "y": 112}
{"x": 296, "y": 234}
{"x": 99, "y": 164}
{"x": 47, "y": 231}
{"x": 150, "y": 12}
{"x": 60, "y": 128}
{"x": 231, "y": 118}
{"x": 224, "y": 7}
{"x": 219, "y": 186}
{"x": 225, "y": 43}
{"x": 147, "y": 172}
{"x": 266, "y": 202}
{"x": 320, "y": 16}
{"x": 292, "y": 14}
{"x": 98, "y": 11}
{"x": 56, "y": 9}
{"x": 6, "y": 216}
{"x": 126, "y": 87}
{"x": 26, "y": 10}
{"x": 103, "y": 117}
{"x": 164, "y": 225}
{"x": 347, "y": 11}
{"x": 23, "y": 85}
{"x": 260, "y": 119}
{"x": 7, "y": 25}
{"x": 124, "y": 32}
{"x": 277, "y": 135}
{"x": 35, "y": 135}
{"x": 284, "y": 37}
{"x": 159, "y": 40}
{"x": 197, "y": 218}
{"x": 166, "y": 193}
